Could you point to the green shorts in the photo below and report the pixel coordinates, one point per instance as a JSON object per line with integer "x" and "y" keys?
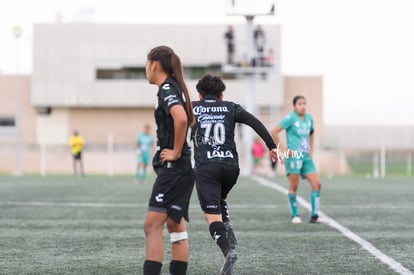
{"x": 301, "y": 166}
{"x": 144, "y": 158}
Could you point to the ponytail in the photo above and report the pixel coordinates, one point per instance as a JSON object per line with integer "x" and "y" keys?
{"x": 178, "y": 75}
{"x": 171, "y": 64}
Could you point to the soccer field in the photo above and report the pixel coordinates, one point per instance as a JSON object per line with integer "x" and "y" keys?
{"x": 94, "y": 225}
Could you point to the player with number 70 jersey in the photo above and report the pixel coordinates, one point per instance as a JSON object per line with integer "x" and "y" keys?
{"x": 216, "y": 159}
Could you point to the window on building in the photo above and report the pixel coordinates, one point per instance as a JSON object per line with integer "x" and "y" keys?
{"x": 122, "y": 73}
{"x": 7, "y": 121}
{"x": 135, "y": 73}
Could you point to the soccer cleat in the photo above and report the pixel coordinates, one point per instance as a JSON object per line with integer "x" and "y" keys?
{"x": 229, "y": 262}
{"x": 296, "y": 220}
{"x": 317, "y": 219}
{"x": 230, "y": 235}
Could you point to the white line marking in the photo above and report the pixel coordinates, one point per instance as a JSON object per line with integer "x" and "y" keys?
{"x": 114, "y": 205}
{"x": 70, "y": 204}
{"x": 394, "y": 265}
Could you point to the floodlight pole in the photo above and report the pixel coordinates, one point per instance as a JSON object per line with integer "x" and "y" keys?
{"x": 250, "y": 100}
{"x": 17, "y": 31}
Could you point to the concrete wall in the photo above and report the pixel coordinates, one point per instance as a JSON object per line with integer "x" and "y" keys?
{"x": 66, "y": 57}
{"x": 311, "y": 87}
{"x": 49, "y": 133}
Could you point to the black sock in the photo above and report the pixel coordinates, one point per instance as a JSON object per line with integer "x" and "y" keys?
{"x": 218, "y": 233}
{"x": 225, "y": 213}
{"x": 152, "y": 268}
{"x": 178, "y": 268}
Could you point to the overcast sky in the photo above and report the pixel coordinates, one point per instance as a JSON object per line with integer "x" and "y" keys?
{"x": 364, "y": 49}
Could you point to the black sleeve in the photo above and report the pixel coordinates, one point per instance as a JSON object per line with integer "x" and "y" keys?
{"x": 247, "y": 118}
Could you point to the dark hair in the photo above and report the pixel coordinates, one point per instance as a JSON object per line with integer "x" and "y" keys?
{"x": 171, "y": 64}
{"x": 210, "y": 85}
{"x": 296, "y": 98}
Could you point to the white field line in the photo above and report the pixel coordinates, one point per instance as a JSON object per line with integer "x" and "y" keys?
{"x": 394, "y": 265}
{"x": 113, "y": 205}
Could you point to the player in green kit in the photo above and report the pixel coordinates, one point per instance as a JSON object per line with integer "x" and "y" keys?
{"x": 300, "y": 144}
{"x": 144, "y": 144}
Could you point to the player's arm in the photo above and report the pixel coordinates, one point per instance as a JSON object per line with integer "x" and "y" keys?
{"x": 311, "y": 143}
{"x": 180, "y": 128}
{"x": 247, "y": 118}
{"x": 275, "y": 134}
{"x": 137, "y": 142}
{"x": 284, "y": 124}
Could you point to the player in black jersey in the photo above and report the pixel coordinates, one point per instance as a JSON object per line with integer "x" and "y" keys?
{"x": 174, "y": 184}
{"x": 216, "y": 159}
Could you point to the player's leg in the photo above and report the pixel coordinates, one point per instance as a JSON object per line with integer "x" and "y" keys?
{"x": 208, "y": 187}
{"x": 138, "y": 173}
{"x": 179, "y": 247}
{"x": 293, "y": 166}
{"x": 81, "y": 164}
{"x": 218, "y": 232}
{"x": 309, "y": 172}
{"x": 315, "y": 195}
{"x": 209, "y": 191}
{"x": 145, "y": 162}
{"x": 153, "y": 227}
{"x": 177, "y": 199}
{"x": 293, "y": 187}
{"x": 75, "y": 172}
{"x": 137, "y": 170}
{"x": 225, "y": 215}
{"x": 229, "y": 179}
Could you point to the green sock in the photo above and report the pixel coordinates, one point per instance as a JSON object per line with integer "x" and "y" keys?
{"x": 144, "y": 174}
{"x": 137, "y": 174}
{"x": 315, "y": 199}
{"x": 293, "y": 204}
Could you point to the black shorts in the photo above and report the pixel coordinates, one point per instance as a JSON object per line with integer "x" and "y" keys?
{"x": 214, "y": 182}
{"x": 77, "y": 156}
{"x": 171, "y": 193}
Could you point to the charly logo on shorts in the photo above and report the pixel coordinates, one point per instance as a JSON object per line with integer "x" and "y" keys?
{"x": 159, "y": 197}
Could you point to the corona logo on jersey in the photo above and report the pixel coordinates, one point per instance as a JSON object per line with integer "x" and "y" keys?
{"x": 198, "y": 110}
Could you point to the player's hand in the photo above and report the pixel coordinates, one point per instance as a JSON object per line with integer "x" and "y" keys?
{"x": 276, "y": 155}
{"x": 169, "y": 155}
{"x": 283, "y": 152}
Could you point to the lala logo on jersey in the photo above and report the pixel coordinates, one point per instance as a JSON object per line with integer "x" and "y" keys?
{"x": 219, "y": 154}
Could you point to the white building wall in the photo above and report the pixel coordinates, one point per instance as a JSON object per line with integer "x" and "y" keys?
{"x": 66, "y": 57}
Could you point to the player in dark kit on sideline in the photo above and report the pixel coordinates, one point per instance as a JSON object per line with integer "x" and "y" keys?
{"x": 174, "y": 184}
{"x": 216, "y": 159}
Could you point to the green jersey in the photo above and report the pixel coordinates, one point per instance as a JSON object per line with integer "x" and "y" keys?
{"x": 298, "y": 131}
{"x": 144, "y": 141}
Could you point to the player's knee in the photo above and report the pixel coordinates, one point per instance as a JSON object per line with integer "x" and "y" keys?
{"x": 150, "y": 227}
{"x": 317, "y": 185}
{"x": 172, "y": 226}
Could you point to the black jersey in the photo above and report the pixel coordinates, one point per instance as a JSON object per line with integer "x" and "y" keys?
{"x": 213, "y": 132}
{"x": 169, "y": 94}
